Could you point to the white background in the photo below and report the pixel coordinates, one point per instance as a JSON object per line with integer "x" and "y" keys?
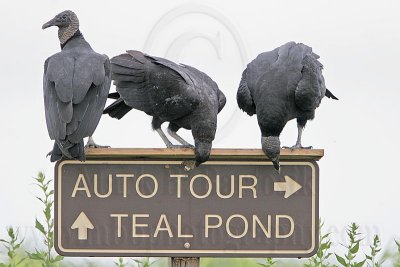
{"x": 358, "y": 42}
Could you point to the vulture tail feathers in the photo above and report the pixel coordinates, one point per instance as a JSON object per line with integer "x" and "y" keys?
{"x": 56, "y": 153}
{"x": 330, "y": 95}
{"x": 118, "y": 109}
{"x": 75, "y": 151}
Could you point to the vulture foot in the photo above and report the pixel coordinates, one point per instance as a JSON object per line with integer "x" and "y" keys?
{"x": 91, "y": 144}
{"x": 179, "y": 146}
{"x": 297, "y": 146}
{"x": 187, "y": 146}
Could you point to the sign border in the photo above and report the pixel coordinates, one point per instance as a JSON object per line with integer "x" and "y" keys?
{"x": 187, "y": 253}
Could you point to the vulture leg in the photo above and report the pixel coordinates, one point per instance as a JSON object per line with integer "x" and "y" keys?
{"x": 165, "y": 139}
{"x": 91, "y": 144}
{"x": 172, "y": 129}
{"x": 156, "y": 124}
{"x": 301, "y": 123}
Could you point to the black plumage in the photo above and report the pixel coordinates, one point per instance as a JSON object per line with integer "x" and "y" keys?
{"x": 179, "y": 94}
{"x": 281, "y": 85}
{"x": 76, "y": 83}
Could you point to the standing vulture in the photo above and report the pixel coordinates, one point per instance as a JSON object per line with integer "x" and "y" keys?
{"x": 180, "y": 94}
{"x": 76, "y": 83}
{"x": 281, "y": 85}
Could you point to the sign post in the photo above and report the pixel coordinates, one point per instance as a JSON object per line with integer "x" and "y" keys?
{"x": 184, "y": 262}
{"x": 142, "y": 202}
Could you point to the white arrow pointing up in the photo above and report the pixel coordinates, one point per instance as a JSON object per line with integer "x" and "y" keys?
{"x": 82, "y": 223}
{"x": 290, "y": 186}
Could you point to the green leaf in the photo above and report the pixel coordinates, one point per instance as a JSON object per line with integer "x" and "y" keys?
{"x": 340, "y": 260}
{"x": 40, "y": 227}
{"x": 10, "y": 232}
{"x": 325, "y": 235}
{"x": 36, "y": 256}
{"x": 355, "y": 248}
{"x": 47, "y": 212}
{"x": 11, "y": 254}
{"x": 57, "y": 258}
{"x": 350, "y": 256}
{"x": 360, "y": 264}
{"x": 20, "y": 261}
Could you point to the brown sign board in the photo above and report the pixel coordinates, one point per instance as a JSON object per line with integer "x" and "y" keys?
{"x": 157, "y": 208}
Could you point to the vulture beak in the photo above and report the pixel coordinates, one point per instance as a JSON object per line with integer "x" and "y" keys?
{"x": 276, "y": 165}
{"x": 49, "y": 23}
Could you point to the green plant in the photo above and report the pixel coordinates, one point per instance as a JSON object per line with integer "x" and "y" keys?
{"x": 12, "y": 246}
{"x": 321, "y": 258}
{"x": 269, "y": 262}
{"x": 375, "y": 249}
{"x": 46, "y": 228}
{"x": 396, "y": 260}
{"x": 352, "y": 248}
{"x": 145, "y": 262}
{"x": 120, "y": 262}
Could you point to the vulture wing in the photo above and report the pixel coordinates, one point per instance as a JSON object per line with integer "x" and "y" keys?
{"x": 250, "y": 78}
{"x": 206, "y": 85}
{"x": 154, "y": 85}
{"x": 75, "y": 93}
{"x": 311, "y": 87}
{"x": 244, "y": 98}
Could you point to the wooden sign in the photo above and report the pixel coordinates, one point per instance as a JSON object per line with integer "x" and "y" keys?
{"x": 154, "y": 207}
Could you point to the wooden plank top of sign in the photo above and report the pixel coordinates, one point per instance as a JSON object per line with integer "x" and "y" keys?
{"x": 216, "y": 153}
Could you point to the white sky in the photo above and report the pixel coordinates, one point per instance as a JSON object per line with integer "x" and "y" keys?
{"x": 358, "y": 42}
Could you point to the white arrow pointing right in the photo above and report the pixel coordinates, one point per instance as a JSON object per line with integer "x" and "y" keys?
{"x": 290, "y": 186}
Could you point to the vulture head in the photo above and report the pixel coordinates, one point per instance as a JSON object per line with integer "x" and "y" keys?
{"x": 67, "y": 23}
{"x": 271, "y": 146}
{"x": 202, "y": 151}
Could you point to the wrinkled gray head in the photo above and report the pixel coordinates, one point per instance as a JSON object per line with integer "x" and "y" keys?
{"x": 271, "y": 146}
{"x": 202, "y": 151}
{"x": 67, "y": 23}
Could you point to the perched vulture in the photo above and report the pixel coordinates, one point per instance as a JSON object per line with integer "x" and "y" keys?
{"x": 179, "y": 94}
{"x": 76, "y": 83}
{"x": 281, "y": 85}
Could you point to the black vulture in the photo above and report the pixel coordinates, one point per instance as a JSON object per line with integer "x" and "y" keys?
{"x": 281, "y": 85}
{"x": 179, "y": 94}
{"x": 76, "y": 83}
